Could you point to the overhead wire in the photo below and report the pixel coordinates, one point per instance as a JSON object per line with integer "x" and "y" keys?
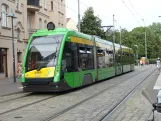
{"x": 96, "y": 11}
{"x": 73, "y": 9}
{"x": 99, "y": 12}
{"x": 135, "y": 10}
{"x": 131, "y": 12}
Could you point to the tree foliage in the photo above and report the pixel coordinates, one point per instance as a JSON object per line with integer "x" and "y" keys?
{"x": 91, "y": 24}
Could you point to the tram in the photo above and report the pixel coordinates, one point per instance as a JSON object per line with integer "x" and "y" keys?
{"x": 59, "y": 59}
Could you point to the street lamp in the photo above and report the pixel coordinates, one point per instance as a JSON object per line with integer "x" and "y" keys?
{"x": 120, "y": 44}
{"x": 78, "y": 15}
{"x": 13, "y": 49}
{"x": 145, "y": 40}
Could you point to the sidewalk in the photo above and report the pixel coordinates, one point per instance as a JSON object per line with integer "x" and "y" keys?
{"x": 7, "y": 86}
{"x": 151, "y": 89}
{"x": 158, "y": 83}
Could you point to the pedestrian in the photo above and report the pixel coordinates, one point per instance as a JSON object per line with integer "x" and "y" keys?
{"x": 141, "y": 63}
{"x": 158, "y": 65}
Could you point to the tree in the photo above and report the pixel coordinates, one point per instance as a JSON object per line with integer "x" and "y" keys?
{"x": 138, "y": 38}
{"x": 156, "y": 28}
{"x": 91, "y": 24}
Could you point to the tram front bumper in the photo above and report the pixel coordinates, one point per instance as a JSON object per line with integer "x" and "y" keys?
{"x": 44, "y": 85}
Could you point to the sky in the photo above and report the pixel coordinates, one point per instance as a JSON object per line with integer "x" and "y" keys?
{"x": 128, "y": 13}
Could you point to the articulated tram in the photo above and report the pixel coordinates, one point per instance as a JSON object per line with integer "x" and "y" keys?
{"x": 59, "y": 59}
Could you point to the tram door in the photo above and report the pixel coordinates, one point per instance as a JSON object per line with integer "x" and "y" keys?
{"x": 3, "y": 61}
{"x": 70, "y": 64}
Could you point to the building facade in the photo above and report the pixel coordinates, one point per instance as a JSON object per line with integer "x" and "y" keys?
{"x": 31, "y": 15}
{"x": 71, "y": 24}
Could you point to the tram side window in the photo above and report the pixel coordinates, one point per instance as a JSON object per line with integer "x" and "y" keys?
{"x": 123, "y": 58}
{"x": 70, "y": 58}
{"x": 128, "y": 58}
{"x": 107, "y": 58}
{"x": 132, "y": 60}
{"x": 82, "y": 58}
{"x": 100, "y": 58}
{"x": 86, "y": 61}
{"x": 90, "y": 59}
{"x": 117, "y": 57}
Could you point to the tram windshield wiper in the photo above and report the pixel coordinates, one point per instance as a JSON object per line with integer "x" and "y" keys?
{"x": 46, "y": 60}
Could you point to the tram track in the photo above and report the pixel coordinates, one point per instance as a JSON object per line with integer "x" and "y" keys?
{"x": 70, "y": 107}
{"x": 12, "y": 93}
{"x": 15, "y": 98}
{"x": 26, "y": 105}
{"x": 123, "y": 100}
{"x": 87, "y": 99}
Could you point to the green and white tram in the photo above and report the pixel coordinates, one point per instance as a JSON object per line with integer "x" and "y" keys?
{"x": 62, "y": 59}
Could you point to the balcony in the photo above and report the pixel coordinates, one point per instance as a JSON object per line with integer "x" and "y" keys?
{"x": 33, "y": 5}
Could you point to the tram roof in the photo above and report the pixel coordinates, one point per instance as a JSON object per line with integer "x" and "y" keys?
{"x": 79, "y": 34}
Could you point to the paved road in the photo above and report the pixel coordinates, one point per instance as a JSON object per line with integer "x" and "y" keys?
{"x": 136, "y": 108}
{"x": 7, "y": 86}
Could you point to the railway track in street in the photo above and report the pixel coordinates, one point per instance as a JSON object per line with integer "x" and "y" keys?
{"x": 14, "y": 97}
{"x": 23, "y": 106}
{"x": 12, "y": 93}
{"x": 95, "y": 95}
{"x": 123, "y": 100}
{"x": 63, "y": 111}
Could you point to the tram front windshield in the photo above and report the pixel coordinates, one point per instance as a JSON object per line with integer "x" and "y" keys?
{"x": 43, "y": 52}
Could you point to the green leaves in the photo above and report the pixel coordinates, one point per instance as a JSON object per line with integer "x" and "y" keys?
{"x": 91, "y": 24}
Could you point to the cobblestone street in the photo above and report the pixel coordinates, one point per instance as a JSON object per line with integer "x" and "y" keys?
{"x": 102, "y": 97}
{"x": 136, "y": 108}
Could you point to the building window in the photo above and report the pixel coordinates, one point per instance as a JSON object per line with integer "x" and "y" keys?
{"x": 17, "y": 5}
{"x": 18, "y": 33}
{"x": 28, "y": 21}
{"x": 51, "y": 5}
{"x": 4, "y": 15}
{"x": 40, "y": 23}
{"x": 45, "y": 24}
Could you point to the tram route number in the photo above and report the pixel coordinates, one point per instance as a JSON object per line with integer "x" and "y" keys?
{"x": 38, "y": 74}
